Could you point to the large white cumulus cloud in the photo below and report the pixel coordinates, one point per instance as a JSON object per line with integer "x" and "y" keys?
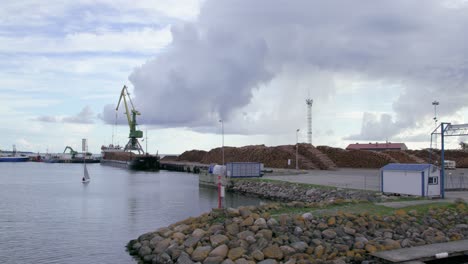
{"x": 214, "y": 64}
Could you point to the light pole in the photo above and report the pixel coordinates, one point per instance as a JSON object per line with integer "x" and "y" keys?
{"x": 222, "y": 136}
{"x": 297, "y": 147}
{"x": 435, "y": 104}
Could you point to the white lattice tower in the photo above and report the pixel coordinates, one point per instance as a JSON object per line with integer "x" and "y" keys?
{"x": 309, "y": 120}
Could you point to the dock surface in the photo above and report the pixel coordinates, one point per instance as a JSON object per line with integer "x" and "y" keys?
{"x": 426, "y": 252}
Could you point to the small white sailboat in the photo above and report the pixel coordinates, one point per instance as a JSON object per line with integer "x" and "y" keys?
{"x": 86, "y": 178}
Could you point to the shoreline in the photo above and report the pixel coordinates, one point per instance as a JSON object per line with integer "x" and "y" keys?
{"x": 315, "y": 225}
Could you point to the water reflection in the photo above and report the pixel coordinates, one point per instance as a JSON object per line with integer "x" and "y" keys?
{"x": 49, "y": 216}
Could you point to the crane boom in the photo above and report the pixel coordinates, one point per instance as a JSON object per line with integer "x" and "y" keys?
{"x": 134, "y": 134}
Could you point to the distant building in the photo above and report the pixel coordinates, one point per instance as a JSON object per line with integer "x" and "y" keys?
{"x": 377, "y": 146}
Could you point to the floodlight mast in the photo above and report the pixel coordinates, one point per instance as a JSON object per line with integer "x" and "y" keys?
{"x": 309, "y": 120}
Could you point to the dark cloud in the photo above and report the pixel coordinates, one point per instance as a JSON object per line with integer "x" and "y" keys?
{"x": 214, "y": 64}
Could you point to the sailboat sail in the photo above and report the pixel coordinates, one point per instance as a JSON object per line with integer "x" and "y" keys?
{"x": 86, "y": 174}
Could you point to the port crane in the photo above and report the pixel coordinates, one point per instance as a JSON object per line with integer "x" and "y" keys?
{"x": 72, "y": 152}
{"x": 131, "y": 114}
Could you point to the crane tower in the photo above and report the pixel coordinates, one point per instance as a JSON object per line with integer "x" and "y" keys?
{"x": 134, "y": 134}
{"x": 309, "y": 120}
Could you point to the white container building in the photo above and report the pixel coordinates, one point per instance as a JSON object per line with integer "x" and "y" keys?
{"x": 412, "y": 179}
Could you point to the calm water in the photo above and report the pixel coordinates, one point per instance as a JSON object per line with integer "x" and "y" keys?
{"x": 48, "y": 216}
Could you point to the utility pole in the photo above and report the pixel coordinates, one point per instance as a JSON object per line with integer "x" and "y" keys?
{"x": 297, "y": 148}
{"x": 435, "y": 104}
{"x": 222, "y": 136}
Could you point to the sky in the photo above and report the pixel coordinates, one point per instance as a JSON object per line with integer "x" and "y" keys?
{"x": 372, "y": 69}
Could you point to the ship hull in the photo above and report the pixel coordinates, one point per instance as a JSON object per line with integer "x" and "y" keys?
{"x": 14, "y": 159}
{"x": 144, "y": 163}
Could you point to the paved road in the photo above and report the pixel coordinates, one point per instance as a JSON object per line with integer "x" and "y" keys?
{"x": 364, "y": 179}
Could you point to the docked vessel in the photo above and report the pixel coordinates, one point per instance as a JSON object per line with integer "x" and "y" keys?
{"x": 13, "y": 159}
{"x": 132, "y": 155}
{"x": 13, "y": 156}
{"x": 116, "y": 156}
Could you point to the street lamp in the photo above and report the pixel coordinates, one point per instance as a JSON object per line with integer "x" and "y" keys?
{"x": 297, "y": 147}
{"x": 222, "y": 135}
{"x": 435, "y": 104}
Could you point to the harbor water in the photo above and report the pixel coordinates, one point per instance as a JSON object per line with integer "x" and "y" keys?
{"x": 48, "y": 216}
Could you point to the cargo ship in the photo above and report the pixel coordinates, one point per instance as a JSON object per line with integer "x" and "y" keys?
{"x": 13, "y": 156}
{"x": 132, "y": 156}
{"x": 116, "y": 156}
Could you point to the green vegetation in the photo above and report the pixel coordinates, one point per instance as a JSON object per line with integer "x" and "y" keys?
{"x": 364, "y": 207}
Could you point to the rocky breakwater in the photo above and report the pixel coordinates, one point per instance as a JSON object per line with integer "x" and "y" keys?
{"x": 286, "y": 191}
{"x": 250, "y": 235}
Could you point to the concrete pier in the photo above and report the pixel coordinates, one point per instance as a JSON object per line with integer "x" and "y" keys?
{"x": 423, "y": 253}
{"x": 193, "y": 167}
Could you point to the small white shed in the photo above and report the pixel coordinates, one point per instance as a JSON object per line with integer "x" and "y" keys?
{"x": 413, "y": 179}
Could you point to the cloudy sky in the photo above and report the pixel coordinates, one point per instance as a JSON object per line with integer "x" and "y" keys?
{"x": 373, "y": 69}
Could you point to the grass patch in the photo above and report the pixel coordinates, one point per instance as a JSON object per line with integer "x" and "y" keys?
{"x": 357, "y": 208}
{"x": 424, "y": 208}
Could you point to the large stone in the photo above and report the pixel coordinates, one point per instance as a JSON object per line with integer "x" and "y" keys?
{"x": 258, "y": 255}
{"x": 182, "y": 228}
{"x": 329, "y": 233}
{"x": 163, "y": 258}
{"x": 155, "y": 240}
{"x": 200, "y": 253}
{"x": 307, "y": 216}
{"x": 272, "y": 222}
{"x": 161, "y": 246}
{"x": 273, "y": 252}
{"x": 248, "y": 221}
{"x": 390, "y": 244}
{"x": 232, "y": 212}
{"x": 361, "y": 239}
{"x": 241, "y": 261}
{"x": 331, "y": 221}
{"x": 261, "y": 223}
{"x": 370, "y": 248}
{"x": 174, "y": 251}
{"x": 299, "y": 246}
{"x": 259, "y": 245}
{"x": 244, "y": 234}
{"x": 148, "y": 258}
{"x": 349, "y": 230}
{"x": 217, "y": 240}
{"x": 266, "y": 233}
{"x": 144, "y": 250}
{"x": 136, "y": 246}
{"x": 236, "y": 253}
{"x": 147, "y": 236}
{"x": 184, "y": 258}
{"x": 287, "y": 250}
{"x": 213, "y": 260}
{"x": 191, "y": 241}
{"x": 220, "y": 251}
{"x": 227, "y": 261}
{"x": 268, "y": 261}
{"x": 198, "y": 232}
{"x": 177, "y": 236}
{"x": 244, "y": 212}
{"x": 341, "y": 247}
{"x": 215, "y": 228}
{"x": 319, "y": 250}
{"x": 232, "y": 229}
